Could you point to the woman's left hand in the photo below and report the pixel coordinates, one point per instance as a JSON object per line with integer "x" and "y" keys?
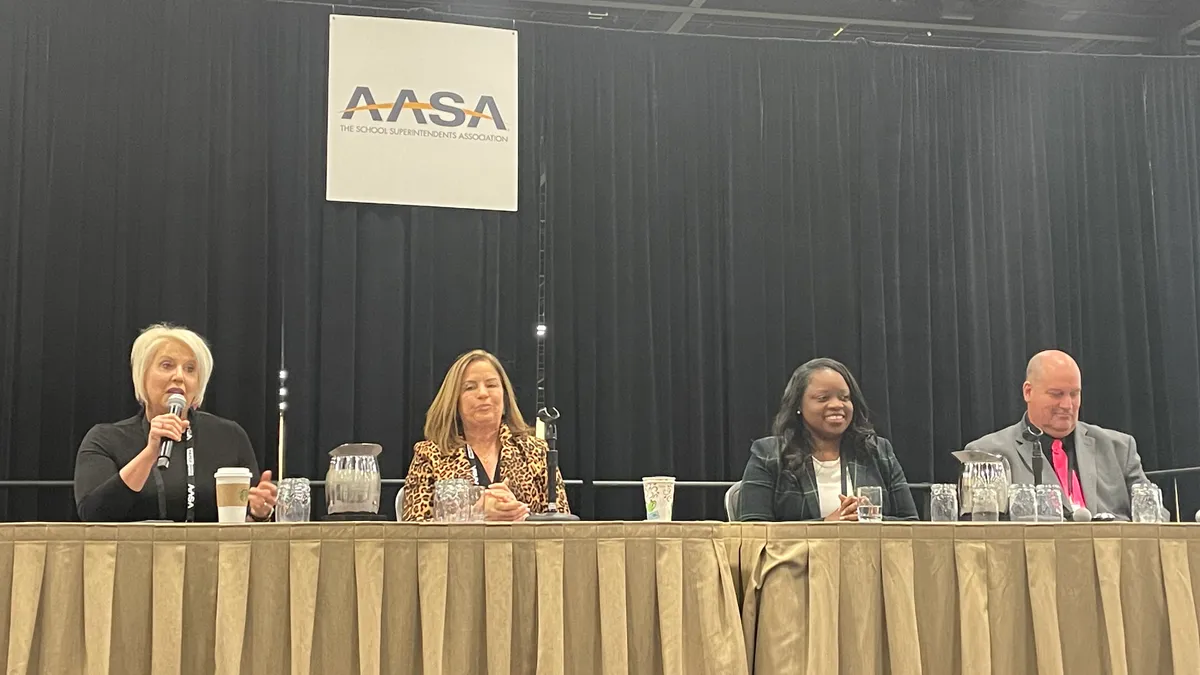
{"x": 262, "y": 497}
{"x": 847, "y": 510}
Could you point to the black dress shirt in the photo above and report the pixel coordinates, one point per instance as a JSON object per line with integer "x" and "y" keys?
{"x": 101, "y": 495}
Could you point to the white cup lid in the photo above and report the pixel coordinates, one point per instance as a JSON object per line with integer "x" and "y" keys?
{"x": 232, "y": 472}
{"x": 658, "y": 479}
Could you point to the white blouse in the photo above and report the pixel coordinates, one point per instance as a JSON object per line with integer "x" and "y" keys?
{"x": 829, "y": 484}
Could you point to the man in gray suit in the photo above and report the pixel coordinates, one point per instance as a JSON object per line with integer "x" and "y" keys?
{"x": 1096, "y": 467}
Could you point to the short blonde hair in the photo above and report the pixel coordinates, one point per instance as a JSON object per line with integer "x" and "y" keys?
{"x": 443, "y": 425}
{"x": 146, "y": 347}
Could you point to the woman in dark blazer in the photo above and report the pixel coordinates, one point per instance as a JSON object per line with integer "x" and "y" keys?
{"x": 823, "y": 448}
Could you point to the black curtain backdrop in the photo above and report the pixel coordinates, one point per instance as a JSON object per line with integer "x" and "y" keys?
{"x": 930, "y": 217}
{"x": 718, "y": 211}
{"x": 133, "y": 189}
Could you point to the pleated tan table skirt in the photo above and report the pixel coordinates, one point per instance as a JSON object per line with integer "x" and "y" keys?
{"x": 635, "y": 598}
{"x": 975, "y": 599}
{"x": 369, "y": 598}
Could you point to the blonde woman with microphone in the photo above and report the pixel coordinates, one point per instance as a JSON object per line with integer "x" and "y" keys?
{"x": 117, "y": 478}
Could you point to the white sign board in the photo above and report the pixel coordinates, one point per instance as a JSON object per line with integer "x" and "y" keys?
{"x": 421, "y": 113}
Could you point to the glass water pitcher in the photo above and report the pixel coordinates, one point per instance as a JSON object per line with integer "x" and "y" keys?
{"x": 352, "y": 484}
{"x": 982, "y": 469}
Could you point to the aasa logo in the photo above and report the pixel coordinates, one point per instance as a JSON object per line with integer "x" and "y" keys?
{"x": 447, "y": 107}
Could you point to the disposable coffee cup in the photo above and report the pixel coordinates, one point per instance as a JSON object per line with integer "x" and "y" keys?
{"x": 660, "y": 496}
{"x": 233, "y": 491}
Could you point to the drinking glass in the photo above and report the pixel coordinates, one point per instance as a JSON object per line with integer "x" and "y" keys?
{"x": 943, "y": 505}
{"x": 1145, "y": 503}
{"x": 475, "y": 498}
{"x": 1164, "y": 516}
{"x": 1049, "y": 504}
{"x": 452, "y": 500}
{"x": 293, "y": 501}
{"x": 1022, "y": 504}
{"x": 870, "y": 505}
{"x": 985, "y": 504}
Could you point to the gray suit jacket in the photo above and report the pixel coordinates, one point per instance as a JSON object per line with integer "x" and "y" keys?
{"x": 1109, "y": 464}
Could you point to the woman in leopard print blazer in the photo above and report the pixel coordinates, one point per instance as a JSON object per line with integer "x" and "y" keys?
{"x": 474, "y": 430}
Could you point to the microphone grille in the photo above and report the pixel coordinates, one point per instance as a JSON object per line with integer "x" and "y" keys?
{"x": 1081, "y": 515}
{"x": 176, "y": 401}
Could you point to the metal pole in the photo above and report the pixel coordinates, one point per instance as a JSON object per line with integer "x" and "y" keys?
{"x": 1178, "y": 513}
{"x": 842, "y": 20}
{"x": 835, "y": 21}
{"x": 281, "y": 448}
{"x": 540, "y": 329}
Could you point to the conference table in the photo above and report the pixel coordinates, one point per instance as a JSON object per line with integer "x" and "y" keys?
{"x": 621, "y": 597}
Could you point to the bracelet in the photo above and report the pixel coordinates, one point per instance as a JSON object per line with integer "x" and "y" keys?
{"x": 265, "y": 518}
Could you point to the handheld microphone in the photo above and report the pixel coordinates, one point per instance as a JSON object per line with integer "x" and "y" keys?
{"x": 1082, "y": 515}
{"x": 175, "y": 405}
{"x": 548, "y": 417}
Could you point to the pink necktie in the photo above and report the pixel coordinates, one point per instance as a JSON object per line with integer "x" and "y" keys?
{"x": 1058, "y": 457}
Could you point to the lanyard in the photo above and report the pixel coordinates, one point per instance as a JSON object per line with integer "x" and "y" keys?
{"x": 191, "y": 483}
{"x": 191, "y": 478}
{"x": 481, "y": 477}
{"x": 812, "y": 473}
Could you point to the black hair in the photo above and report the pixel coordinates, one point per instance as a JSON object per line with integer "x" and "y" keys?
{"x": 859, "y": 437}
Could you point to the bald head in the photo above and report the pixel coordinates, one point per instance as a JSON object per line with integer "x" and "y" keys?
{"x": 1049, "y": 361}
{"x": 1053, "y": 391}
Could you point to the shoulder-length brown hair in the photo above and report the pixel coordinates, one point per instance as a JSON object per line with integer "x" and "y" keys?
{"x": 443, "y": 424}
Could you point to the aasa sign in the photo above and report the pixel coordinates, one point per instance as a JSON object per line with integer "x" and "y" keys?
{"x": 404, "y": 128}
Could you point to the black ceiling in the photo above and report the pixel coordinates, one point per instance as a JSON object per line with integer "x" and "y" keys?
{"x": 1084, "y": 26}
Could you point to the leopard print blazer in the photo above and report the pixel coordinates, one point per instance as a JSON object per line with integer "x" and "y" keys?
{"x": 522, "y": 466}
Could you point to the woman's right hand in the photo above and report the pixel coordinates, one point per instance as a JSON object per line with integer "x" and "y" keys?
{"x": 135, "y": 473}
{"x": 847, "y": 510}
{"x": 165, "y": 426}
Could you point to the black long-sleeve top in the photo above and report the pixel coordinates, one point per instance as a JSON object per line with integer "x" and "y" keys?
{"x": 101, "y": 495}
